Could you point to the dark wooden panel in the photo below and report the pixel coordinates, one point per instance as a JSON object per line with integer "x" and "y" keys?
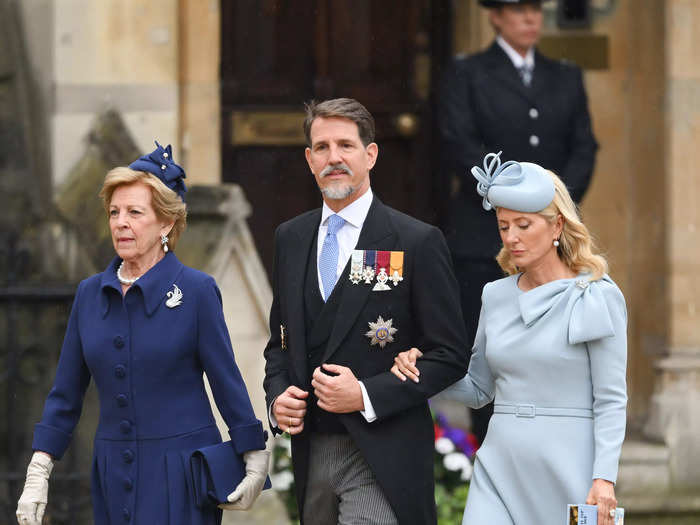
{"x": 266, "y": 51}
{"x": 385, "y": 54}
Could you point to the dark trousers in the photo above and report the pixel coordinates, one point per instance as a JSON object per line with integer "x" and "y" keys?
{"x": 472, "y": 274}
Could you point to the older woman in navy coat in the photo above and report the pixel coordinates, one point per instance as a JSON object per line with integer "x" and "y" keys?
{"x": 146, "y": 329}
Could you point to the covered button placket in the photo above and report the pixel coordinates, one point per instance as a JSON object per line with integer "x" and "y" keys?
{"x": 127, "y": 470}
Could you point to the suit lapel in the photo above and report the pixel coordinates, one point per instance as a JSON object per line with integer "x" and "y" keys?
{"x": 299, "y": 251}
{"x": 376, "y": 234}
{"x": 502, "y": 69}
{"x": 541, "y": 74}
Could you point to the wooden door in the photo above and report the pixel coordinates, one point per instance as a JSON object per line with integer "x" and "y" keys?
{"x": 278, "y": 54}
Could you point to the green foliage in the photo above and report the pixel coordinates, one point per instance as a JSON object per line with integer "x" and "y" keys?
{"x": 450, "y": 503}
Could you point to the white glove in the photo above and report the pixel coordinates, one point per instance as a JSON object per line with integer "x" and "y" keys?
{"x": 32, "y": 502}
{"x": 247, "y": 491}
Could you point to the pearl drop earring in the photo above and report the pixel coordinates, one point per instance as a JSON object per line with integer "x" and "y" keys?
{"x": 164, "y": 242}
{"x": 556, "y": 243}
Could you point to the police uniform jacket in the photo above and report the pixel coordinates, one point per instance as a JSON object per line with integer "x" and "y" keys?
{"x": 146, "y": 352}
{"x": 425, "y": 310}
{"x": 484, "y": 107}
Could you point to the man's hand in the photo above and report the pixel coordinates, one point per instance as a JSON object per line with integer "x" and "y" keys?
{"x": 289, "y": 409}
{"x": 339, "y": 394}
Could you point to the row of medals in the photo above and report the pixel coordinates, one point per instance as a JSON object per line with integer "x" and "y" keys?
{"x": 359, "y": 272}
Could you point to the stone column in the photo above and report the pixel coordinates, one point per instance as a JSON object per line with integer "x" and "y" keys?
{"x": 675, "y": 406}
{"x": 119, "y": 54}
{"x": 200, "y": 103}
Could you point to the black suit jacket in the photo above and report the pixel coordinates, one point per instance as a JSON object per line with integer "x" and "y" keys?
{"x": 424, "y": 308}
{"x": 484, "y": 107}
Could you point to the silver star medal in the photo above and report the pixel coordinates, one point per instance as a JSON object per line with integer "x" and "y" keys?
{"x": 382, "y": 278}
{"x": 356, "y": 266}
{"x": 174, "y": 297}
{"x": 381, "y": 332}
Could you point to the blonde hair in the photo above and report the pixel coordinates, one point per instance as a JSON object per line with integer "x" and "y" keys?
{"x": 166, "y": 203}
{"x": 576, "y": 246}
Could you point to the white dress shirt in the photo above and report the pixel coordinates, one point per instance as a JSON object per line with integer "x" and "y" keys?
{"x": 354, "y": 214}
{"x": 515, "y": 57}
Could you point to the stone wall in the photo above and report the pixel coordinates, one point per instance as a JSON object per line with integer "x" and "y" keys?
{"x": 91, "y": 56}
{"x": 675, "y": 407}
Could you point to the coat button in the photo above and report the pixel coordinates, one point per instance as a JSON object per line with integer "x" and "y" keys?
{"x": 534, "y": 113}
{"x": 119, "y": 342}
{"x": 122, "y": 400}
{"x": 120, "y": 371}
{"x": 534, "y": 141}
{"x": 128, "y": 484}
{"x": 126, "y": 514}
{"x": 125, "y": 426}
{"x": 127, "y": 455}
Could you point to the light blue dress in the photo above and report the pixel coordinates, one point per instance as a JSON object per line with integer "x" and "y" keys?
{"x": 558, "y": 353}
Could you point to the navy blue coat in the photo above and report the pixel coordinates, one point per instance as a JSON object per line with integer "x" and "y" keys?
{"x": 147, "y": 361}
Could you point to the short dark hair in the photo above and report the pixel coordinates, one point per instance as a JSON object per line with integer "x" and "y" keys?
{"x": 348, "y": 108}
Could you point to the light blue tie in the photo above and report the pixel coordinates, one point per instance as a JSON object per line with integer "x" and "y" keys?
{"x": 328, "y": 262}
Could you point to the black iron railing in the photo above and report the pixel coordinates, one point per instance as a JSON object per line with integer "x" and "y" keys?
{"x": 33, "y": 317}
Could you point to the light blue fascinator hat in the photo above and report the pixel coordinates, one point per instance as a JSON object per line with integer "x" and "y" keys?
{"x": 519, "y": 186}
{"x": 161, "y": 164}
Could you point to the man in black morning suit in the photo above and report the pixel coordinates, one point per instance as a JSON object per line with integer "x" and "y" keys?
{"x": 508, "y": 98}
{"x": 362, "y": 440}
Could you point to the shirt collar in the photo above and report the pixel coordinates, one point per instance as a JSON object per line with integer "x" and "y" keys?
{"x": 153, "y": 285}
{"x": 354, "y": 213}
{"x": 515, "y": 57}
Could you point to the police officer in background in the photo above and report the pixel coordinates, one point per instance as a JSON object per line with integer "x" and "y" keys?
{"x": 507, "y": 98}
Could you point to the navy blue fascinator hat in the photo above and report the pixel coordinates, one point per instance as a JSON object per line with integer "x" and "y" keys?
{"x": 161, "y": 164}
{"x": 519, "y": 186}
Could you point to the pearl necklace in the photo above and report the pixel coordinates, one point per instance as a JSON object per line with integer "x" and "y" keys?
{"x": 124, "y": 280}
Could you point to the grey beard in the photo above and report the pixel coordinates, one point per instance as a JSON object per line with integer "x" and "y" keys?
{"x": 337, "y": 192}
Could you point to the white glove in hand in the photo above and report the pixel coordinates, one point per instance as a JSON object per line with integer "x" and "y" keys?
{"x": 32, "y": 502}
{"x": 247, "y": 491}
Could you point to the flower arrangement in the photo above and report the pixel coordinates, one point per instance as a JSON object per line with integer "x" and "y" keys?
{"x": 454, "y": 451}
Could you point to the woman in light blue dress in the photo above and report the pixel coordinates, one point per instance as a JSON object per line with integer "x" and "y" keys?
{"x": 551, "y": 351}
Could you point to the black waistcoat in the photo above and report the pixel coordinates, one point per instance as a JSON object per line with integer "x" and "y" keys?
{"x": 319, "y": 317}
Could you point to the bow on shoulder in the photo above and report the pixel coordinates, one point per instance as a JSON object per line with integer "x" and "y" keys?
{"x": 589, "y": 319}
